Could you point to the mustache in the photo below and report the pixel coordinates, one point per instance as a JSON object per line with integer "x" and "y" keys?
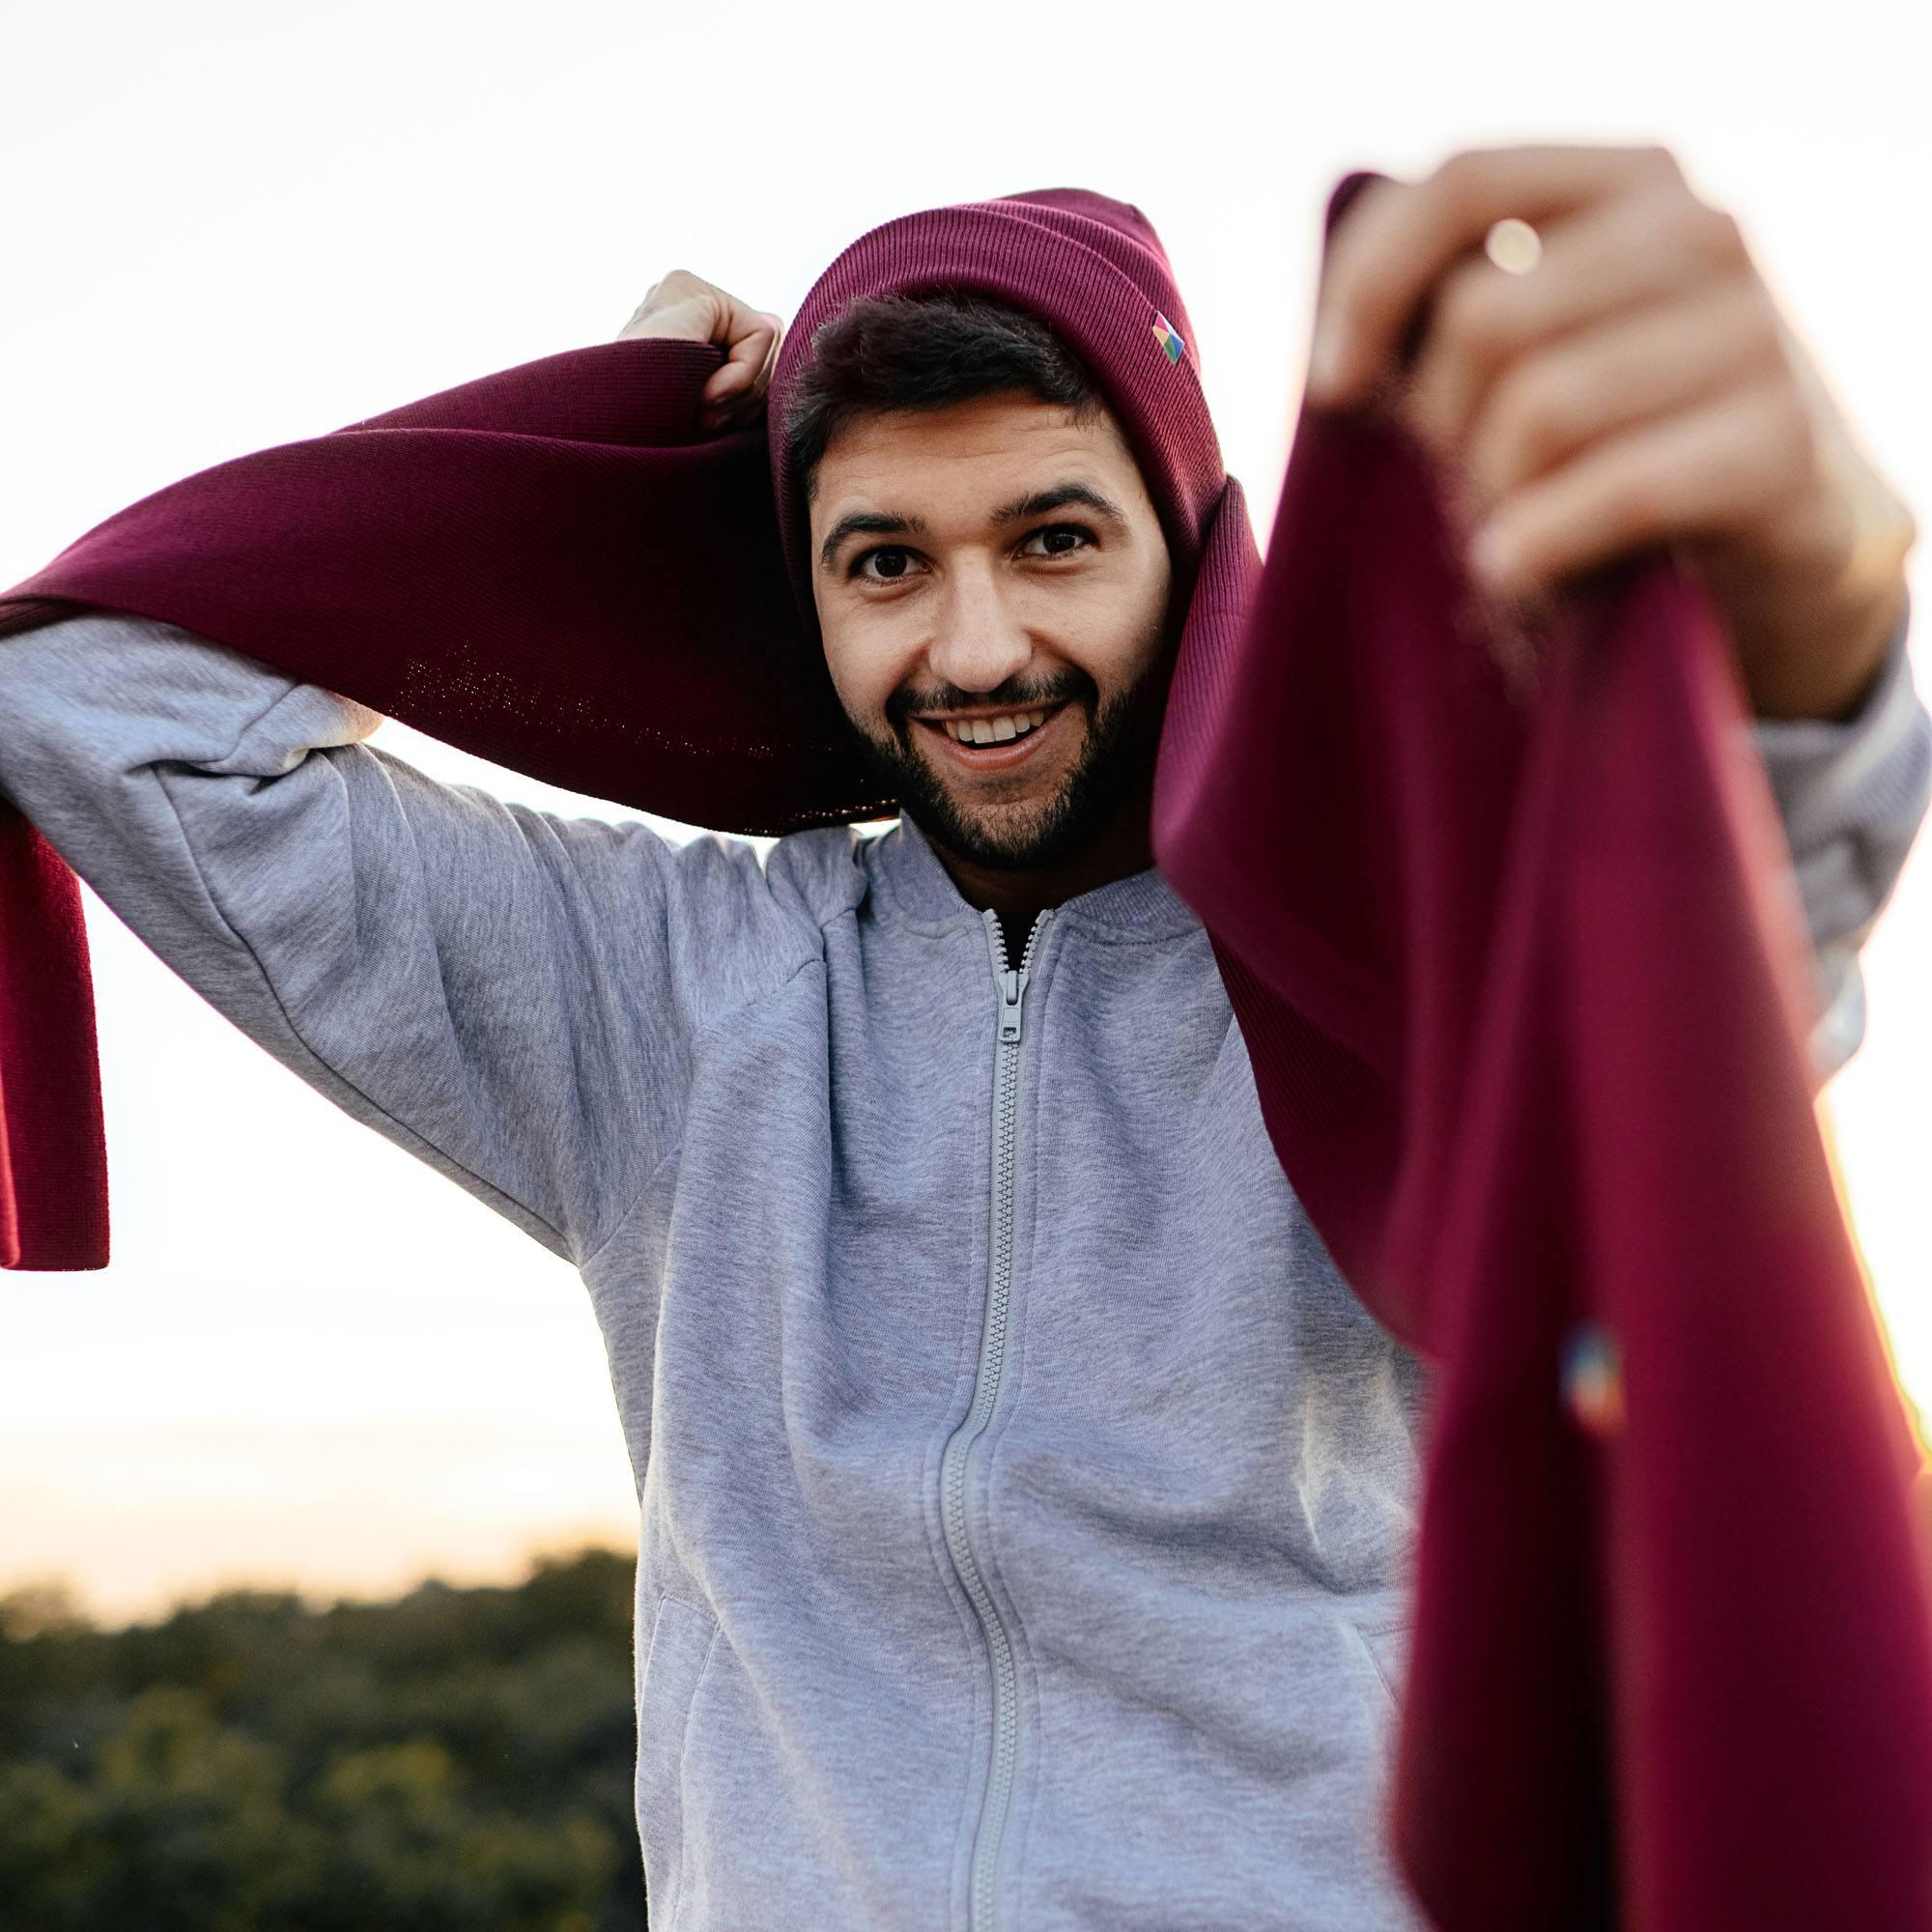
{"x": 902, "y": 709}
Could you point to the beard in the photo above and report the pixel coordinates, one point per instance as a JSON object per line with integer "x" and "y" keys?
{"x": 1115, "y": 767}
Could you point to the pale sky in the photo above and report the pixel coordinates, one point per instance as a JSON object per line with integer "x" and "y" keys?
{"x": 313, "y": 1361}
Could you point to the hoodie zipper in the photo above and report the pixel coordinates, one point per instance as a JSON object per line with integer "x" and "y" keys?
{"x": 1009, "y": 987}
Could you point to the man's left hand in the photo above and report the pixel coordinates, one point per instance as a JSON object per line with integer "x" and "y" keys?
{"x": 1637, "y": 385}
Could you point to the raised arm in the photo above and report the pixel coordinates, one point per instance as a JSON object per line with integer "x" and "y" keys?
{"x": 510, "y": 995}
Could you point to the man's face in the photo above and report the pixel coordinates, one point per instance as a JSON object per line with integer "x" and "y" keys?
{"x": 947, "y": 593}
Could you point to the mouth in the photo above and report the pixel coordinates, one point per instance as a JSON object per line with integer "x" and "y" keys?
{"x": 999, "y": 758}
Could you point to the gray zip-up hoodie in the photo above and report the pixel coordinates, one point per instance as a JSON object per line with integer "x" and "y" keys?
{"x": 1025, "y": 1503}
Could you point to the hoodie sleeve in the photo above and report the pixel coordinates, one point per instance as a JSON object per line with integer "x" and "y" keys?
{"x": 1852, "y": 796}
{"x": 510, "y": 995}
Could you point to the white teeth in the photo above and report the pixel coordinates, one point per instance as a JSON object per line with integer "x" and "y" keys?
{"x": 997, "y": 730}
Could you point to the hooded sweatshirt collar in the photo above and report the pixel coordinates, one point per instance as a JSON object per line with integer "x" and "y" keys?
{"x": 913, "y": 878}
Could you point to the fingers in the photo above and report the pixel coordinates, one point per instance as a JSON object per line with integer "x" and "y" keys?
{"x": 750, "y": 336}
{"x": 1706, "y": 471}
{"x": 1599, "y": 269}
{"x": 1603, "y": 378}
{"x": 687, "y": 308}
{"x": 1400, "y": 238}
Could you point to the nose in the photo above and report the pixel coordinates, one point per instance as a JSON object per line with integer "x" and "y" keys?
{"x": 980, "y": 644}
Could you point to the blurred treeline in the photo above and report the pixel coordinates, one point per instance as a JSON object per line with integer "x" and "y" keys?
{"x": 451, "y": 1761}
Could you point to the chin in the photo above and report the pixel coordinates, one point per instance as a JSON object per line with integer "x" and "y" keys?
{"x": 1031, "y": 834}
{"x": 1014, "y": 829}
{"x": 1025, "y": 825}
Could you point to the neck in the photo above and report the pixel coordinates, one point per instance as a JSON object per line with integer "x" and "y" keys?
{"x": 1123, "y": 847}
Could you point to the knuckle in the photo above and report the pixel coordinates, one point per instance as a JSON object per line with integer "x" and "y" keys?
{"x": 1706, "y": 238}
{"x": 1459, "y": 181}
{"x": 672, "y": 287}
{"x": 1721, "y": 234}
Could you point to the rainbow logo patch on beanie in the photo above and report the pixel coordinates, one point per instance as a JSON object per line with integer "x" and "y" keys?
{"x": 1169, "y": 337}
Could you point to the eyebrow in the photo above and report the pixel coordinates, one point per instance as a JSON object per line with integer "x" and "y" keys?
{"x": 1036, "y": 504}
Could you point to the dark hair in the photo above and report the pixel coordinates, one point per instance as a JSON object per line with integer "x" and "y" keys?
{"x": 921, "y": 351}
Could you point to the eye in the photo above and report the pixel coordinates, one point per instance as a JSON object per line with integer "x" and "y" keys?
{"x": 898, "y": 553}
{"x": 1063, "y": 530}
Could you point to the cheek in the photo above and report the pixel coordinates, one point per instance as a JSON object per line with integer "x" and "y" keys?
{"x": 866, "y": 667}
{"x": 1125, "y": 638}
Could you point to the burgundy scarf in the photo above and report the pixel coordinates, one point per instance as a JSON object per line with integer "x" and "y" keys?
{"x": 1502, "y": 920}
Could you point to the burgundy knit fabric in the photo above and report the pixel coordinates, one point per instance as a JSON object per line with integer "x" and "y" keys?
{"x": 1502, "y": 921}
{"x": 1528, "y": 1019}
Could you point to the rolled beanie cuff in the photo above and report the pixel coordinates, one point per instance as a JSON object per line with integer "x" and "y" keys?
{"x": 1039, "y": 259}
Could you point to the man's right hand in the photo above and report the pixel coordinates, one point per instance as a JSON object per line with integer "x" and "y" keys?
{"x": 690, "y": 310}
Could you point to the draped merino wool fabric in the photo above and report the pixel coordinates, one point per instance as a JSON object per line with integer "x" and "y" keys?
{"x": 1502, "y": 921}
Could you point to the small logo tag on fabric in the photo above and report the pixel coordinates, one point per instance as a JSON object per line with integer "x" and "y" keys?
{"x": 1169, "y": 337}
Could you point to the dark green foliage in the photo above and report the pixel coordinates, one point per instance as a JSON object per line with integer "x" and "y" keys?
{"x": 456, "y": 1760}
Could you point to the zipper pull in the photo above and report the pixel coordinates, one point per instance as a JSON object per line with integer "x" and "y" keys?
{"x": 1013, "y": 989}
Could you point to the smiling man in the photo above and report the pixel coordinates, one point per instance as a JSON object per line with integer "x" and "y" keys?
{"x": 1026, "y": 1503}
{"x": 1004, "y": 662}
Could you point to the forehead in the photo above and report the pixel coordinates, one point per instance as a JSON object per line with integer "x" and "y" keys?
{"x": 967, "y": 448}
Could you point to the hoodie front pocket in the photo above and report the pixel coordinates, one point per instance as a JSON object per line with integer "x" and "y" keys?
{"x": 682, "y": 1641}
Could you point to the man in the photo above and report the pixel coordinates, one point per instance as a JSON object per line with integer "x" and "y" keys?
{"x": 1025, "y": 1499}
